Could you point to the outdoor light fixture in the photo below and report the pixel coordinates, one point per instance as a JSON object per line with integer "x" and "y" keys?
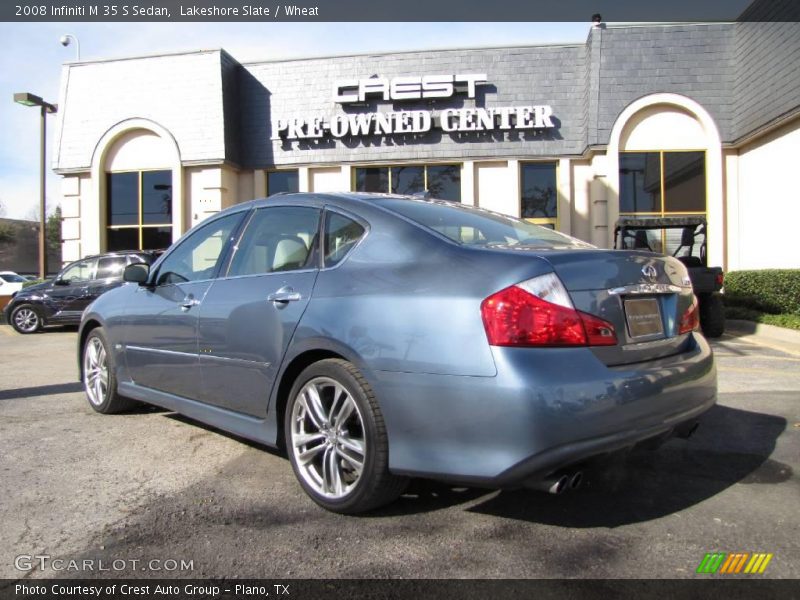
{"x": 67, "y": 38}
{"x": 28, "y": 99}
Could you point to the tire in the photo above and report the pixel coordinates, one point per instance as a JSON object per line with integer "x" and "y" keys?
{"x": 25, "y": 318}
{"x": 712, "y": 315}
{"x": 99, "y": 379}
{"x": 326, "y": 461}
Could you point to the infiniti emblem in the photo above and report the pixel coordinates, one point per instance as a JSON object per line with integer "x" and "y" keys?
{"x": 649, "y": 271}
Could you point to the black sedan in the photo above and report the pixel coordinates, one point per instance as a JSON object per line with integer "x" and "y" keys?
{"x": 61, "y": 300}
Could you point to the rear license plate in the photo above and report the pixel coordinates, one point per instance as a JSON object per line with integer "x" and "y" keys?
{"x": 644, "y": 317}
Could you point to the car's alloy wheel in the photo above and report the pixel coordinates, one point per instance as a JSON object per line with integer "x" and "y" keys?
{"x": 99, "y": 378}
{"x": 328, "y": 439}
{"x": 336, "y": 439}
{"x": 26, "y": 320}
{"x": 95, "y": 371}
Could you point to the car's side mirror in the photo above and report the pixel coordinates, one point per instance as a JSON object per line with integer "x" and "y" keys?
{"x": 136, "y": 273}
{"x": 59, "y": 281}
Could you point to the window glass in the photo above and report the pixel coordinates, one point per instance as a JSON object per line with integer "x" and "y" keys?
{"x": 13, "y": 278}
{"x": 157, "y": 197}
{"x": 341, "y": 234}
{"x": 282, "y": 181}
{"x": 156, "y": 238}
{"x": 684, "y": 182}
{"x": 372, "y": 179}
{"x": 444, "y": 181}
{"x": 198, "y": 256}
{"x": 123, "y": 198}
{"x": 472, "y": 226}
{"x": 539, "y": 191}
{"x": 276, "y": 239}
{"x": 110, "y": 266}
{"x": 640, "y": 182}
{"x": 79, "y": 271}
{"x": 122, "y": 239}
{"x": 408, "y": 180}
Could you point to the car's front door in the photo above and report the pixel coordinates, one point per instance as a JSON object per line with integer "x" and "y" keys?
{"x": 161, "y": 324}
{"x": 70, "y": 289}
{"x": 248, "y": 316}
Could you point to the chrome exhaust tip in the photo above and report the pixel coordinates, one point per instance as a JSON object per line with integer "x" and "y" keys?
{"x": 555, "y": 484}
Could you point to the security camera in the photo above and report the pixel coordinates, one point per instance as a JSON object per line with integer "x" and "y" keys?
{"x": 65, "y": 41}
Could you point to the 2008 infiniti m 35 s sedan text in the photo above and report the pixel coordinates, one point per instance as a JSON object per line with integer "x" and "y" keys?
{"x": 382, "y": 337}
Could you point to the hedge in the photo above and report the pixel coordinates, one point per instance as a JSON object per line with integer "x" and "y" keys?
{"x": 775, "y": 291}
{"x": 749, "y": 314}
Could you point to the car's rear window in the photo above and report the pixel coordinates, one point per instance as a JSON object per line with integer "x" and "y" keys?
{"x": 477, "y": 227}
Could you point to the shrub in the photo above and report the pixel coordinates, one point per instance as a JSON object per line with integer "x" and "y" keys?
{"x": 34, "y": 282}
{"x": 774, "y": 291}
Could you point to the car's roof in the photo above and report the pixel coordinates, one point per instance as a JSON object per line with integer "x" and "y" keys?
{"x": 119, "y": 253}
{"x": 342, "y": 199}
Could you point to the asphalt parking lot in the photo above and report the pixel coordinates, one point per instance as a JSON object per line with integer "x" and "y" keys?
{"x": 152, "y": 485}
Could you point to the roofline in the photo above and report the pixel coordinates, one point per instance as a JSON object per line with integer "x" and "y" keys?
{"x": 77, "y": 63}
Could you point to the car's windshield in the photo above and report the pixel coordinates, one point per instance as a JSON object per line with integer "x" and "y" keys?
{"x": 12, "y": 278}
{"x": 477, "y": 227}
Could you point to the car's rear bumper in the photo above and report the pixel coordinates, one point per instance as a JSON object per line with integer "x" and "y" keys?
{"x": 546, "y": 409}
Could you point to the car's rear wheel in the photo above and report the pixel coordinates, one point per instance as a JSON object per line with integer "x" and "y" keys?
{"x": 336, "y": 439}
{"x": 99, "y": 379}
{"x": 25, "y": 319}
{"x": 712, "y": 315}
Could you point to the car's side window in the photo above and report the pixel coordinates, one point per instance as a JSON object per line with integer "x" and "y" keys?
{"x": 110, "y": 266}
{"x": 341, "y": 235}
{"x": 83, "y": 270}
{"x": 280, "y": 238}
{"x": 198, "y": 256}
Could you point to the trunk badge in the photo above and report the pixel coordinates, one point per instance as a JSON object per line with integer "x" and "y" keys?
{"x": 649, "y": 271}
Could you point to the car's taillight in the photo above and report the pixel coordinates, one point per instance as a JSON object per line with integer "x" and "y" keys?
{"x": 690, "y": 319}
{"x": 539, "y": 312}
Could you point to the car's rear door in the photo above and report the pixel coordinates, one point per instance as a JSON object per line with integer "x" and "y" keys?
{"x": 161, "y": 322}
{"x": 70, "y": 290}
{"x": 108, "y": 275}
{"x": 249, "y": 316}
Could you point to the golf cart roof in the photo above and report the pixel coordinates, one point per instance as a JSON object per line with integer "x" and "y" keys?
{"x": 659, "y": 222}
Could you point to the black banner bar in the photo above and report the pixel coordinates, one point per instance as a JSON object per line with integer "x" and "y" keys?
{"x": 730, "y": 588}
{"x": 390, "y": 11}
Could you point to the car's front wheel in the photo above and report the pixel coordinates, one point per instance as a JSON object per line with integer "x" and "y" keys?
{"x": 336, "y": 439}
{"x": 25, "y": 319}
{"x": 99, "y": 379}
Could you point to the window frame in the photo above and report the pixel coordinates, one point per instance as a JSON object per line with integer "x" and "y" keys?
{"x": 93, "y": 270}
{"x": 390, "y": 166}
{"x": 139, "y": 226}
{"x": 662, "y": 190}
{"x": 543, "y": 221}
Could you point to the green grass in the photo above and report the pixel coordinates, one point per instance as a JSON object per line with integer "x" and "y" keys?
{"x": 790, "y": 321}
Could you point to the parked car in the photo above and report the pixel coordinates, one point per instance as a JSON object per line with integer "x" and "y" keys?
{"x": 380, "y": 337}
{"x": 61, "y": 300}
{"x": 10, "y": 282}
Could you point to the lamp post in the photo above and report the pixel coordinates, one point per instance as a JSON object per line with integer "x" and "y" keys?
{"x": 65, "y": 41}
{"x": 28, "y": 99}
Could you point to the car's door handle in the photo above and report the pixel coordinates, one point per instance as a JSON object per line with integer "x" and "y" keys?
{"x": 189, "y": 303}
{"x": 284, "y": 295}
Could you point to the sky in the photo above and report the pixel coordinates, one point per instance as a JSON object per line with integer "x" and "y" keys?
{"x": 31, "y": 58}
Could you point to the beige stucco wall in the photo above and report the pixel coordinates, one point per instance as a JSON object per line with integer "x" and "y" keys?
{"x": 764, "y": 201}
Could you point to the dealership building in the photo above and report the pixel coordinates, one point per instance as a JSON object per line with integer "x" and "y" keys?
{"x": 647, "y": 120}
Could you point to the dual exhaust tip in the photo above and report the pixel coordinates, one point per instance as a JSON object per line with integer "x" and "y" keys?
{"x": 559, "y": 482}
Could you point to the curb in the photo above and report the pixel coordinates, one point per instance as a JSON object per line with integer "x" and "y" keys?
{"x": 787, "y": 340}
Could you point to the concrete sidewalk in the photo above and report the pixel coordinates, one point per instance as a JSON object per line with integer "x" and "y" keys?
{"x": 779, "y": 338}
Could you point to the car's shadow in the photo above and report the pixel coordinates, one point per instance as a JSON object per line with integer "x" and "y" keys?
{"x": 731, "y": 446}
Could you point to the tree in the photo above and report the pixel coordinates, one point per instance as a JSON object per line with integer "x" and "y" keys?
{"x": 53, "y": 229}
